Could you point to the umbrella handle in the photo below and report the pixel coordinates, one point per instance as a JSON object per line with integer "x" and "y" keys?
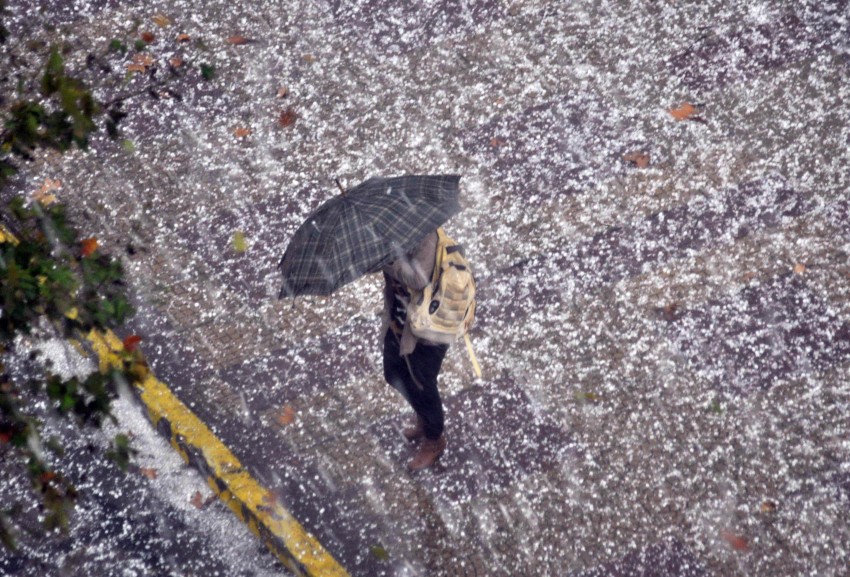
{"x": 475, "y": 366}
{"x": 341, "y": 189}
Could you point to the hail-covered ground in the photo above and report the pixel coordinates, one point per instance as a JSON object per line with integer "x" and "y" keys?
{"x": 160, "y": 518}
{"x": 656, "y": 206}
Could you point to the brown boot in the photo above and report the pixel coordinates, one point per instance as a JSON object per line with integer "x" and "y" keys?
{"x": 429, "y": 451}
{"x": 415, "y": 432}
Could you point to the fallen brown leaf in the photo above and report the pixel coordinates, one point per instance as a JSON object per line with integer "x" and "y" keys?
{"x": 670, "y": 312}
{"x": 147, "y": 37}
{"x": 282, "y": 92}
{"x": 241, "y": 132}
{"x": 183, "y": 38}
{"x": 287, "y": 117}
{"x": 143, "y": 59}
{"x": 197, "y": 500}
{"x": 44, "y": 199}
{"x": 496, "y": 142}
{"x": 50, "y": 184}
{"x": 176, "y": 61}
{"x": 799, "y": 268}
{"x": 286, "y": 416}
{"x": 161, "y": 20}
{"x": 148, "y": 472}
{"x": 135, "y": 68}
{"x": 683, "y": 112}
{"x": 737, "y": 542}
{"x": 639, "y": 159}
{"x": 43, "y": 194}
{"x": 237, "y": 40}
{"x": 768, "y": 507}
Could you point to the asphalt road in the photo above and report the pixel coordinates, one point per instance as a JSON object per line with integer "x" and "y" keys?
{"x": 663, "y": 319}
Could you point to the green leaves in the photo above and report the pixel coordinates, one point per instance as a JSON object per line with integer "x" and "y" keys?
{"x": 64, "y": 118}
{"x": 4, "y": 35}
{"x": 40, "y": 280}
{"x": 207, "y": 71}
{"x": 121, "y": 452}
{"x": 379, "y": 553}
{"x": 117, "y": 46}
{"x": 54, "y": 73}
{"x": 47, "y": 274}
{"x": 52, "y": 283}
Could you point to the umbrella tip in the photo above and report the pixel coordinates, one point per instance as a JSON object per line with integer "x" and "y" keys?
{"x": 341, "y": 189}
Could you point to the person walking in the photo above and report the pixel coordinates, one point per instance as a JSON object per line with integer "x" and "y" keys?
{"x": 412, "y": 364}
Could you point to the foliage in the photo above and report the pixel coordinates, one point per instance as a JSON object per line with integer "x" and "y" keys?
{"x": 52, "y": 282}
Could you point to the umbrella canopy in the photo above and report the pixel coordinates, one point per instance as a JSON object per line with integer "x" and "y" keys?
{"x": 365, "y": 228}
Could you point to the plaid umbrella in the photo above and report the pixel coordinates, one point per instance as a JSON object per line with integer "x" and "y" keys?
{"x": 365, "y": 228}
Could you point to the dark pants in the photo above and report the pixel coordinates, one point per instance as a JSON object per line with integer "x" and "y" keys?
{"x": 415, "y": 377}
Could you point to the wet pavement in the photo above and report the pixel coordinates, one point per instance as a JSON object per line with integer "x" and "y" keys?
{"x": 665, "y": 349}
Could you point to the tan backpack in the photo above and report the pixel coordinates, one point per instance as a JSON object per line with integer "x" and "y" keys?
{"x": 445, "y": 309}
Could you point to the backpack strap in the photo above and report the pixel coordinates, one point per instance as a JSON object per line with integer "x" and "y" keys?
{"x": 443, "y": 241}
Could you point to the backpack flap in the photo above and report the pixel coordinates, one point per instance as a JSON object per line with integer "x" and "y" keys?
{"x": 445, "y": 310}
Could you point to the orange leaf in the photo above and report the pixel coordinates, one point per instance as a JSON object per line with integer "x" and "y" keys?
{"x": 148, "y": 472}
{"x": 161, "y": 20}
{"x": 237, "y": 40}
{"x": 135, "y": 68}
{"x": 147, "y": 37}
{"x": 176, "y": 61}
{"x": 241, "y": 132}
{"x": 639, "y": 159}
{"x": 287, "y": 117}
{"x": 183, "y": 38}
{"x": 799, "y": 268}
{"x": 496, "y": 142}
{"x": 286, "y": 416}
{"x": 737, "y": 542}
{"x": 768, "y": 507}
{"x": 683, "y": 112}
{"x": 131, "y": 342}
{"x": 88, "y": 246}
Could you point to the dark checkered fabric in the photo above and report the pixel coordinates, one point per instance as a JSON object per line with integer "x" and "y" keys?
{"x": 364, "y": 229}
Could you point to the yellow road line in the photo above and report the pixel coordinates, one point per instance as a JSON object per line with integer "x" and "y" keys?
{"x": 254, "y": 505}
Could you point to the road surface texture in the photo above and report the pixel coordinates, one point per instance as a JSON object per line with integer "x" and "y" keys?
{"x": 664, "y": 290}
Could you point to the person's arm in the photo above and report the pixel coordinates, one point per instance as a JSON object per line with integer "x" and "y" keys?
{"x": 415, "y": 270}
